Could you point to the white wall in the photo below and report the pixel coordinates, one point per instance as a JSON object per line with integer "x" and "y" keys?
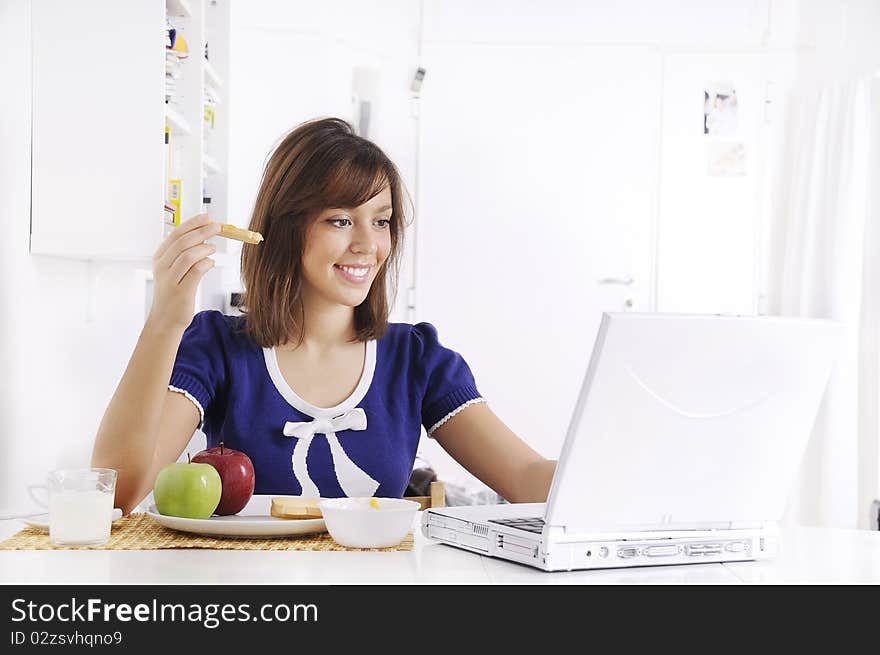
{"x": 839, "y": 40}
{"x": 836, "y": 42}
{"x": 694, "y": 24}
{"x": 69, "y": 326}
{"x": 291, "y": 64}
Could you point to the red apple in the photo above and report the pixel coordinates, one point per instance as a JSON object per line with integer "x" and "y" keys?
{"x": 236, "y": 474}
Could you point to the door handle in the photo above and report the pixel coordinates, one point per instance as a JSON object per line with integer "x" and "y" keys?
{"x": 626, "y": 281}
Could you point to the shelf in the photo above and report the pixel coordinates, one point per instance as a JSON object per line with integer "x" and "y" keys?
{"x": 210, "y": 165}
{"x": 178, "y": 8}
{"x": 211, "y": 76}
{"x": 178, "y": 123}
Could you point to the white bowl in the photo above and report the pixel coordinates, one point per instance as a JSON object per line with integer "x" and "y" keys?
{"x": 355, "y": 523}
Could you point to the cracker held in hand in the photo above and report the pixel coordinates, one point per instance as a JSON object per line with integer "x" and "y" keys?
{"x": 232, "y": 232}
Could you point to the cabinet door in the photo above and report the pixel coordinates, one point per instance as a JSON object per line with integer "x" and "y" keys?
{"x": 98, "y": 128}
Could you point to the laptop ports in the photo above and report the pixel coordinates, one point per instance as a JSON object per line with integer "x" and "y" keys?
{"x": 627, "y": 552}
{"x": 661, "y": 551}
{"x": 704, "y": 549}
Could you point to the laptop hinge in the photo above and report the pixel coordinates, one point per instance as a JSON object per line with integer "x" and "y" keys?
{"x": 746, "y": 525}
{"x": 553, "y": 532}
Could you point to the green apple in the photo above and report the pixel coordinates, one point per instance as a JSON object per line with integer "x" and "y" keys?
{"x": 188, "y": 490}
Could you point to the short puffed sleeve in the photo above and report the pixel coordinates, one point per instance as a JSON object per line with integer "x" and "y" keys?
{"x": 449, "y": 384}
{"x": 200, "y": 368}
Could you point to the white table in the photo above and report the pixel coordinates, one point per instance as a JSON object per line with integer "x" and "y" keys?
{"x": 807, "y": 555}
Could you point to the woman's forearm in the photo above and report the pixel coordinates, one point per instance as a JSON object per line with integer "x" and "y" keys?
{"x": 126, "y": 439}
{"x": 535, "y": 483}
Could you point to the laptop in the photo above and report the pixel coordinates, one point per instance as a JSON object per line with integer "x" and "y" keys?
{"x": 682, "y": 447}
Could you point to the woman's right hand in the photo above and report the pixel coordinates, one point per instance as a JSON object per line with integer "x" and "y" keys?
{"x": 179, "y": 264}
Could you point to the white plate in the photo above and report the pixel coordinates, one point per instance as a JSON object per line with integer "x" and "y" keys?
{"x": 41, "y": 521}
{"x": 253, "y": 521}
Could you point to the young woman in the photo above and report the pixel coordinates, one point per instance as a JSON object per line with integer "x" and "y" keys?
{"x": 323, "y": 394}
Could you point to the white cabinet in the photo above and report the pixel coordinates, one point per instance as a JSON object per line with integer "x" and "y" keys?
{"x": 97, "y": 133}
{"x": 99, "y": 169}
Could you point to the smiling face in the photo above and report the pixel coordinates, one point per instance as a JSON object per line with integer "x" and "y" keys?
{"x": 345, "y": 250}
{"x": 331, "y": 211}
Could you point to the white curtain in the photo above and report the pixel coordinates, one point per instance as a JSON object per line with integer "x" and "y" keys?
{"x": 825, "y": 257}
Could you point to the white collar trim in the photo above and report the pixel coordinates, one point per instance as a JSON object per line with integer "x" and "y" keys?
{"x": 323, "y": 412}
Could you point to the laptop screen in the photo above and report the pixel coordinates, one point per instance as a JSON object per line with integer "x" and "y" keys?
{"x": 691, "y": 421}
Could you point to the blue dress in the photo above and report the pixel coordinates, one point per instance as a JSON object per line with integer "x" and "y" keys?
{"x": 364, "y": 446}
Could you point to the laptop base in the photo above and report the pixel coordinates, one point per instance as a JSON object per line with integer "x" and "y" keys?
{"x": 554, "y": 551}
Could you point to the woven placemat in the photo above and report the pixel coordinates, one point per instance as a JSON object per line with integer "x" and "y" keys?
{"x": 140, "y": 532}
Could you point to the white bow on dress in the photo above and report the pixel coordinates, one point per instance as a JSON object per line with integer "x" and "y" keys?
{"x": 354, "y": 481}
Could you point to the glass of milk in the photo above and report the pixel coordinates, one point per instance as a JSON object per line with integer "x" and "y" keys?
{"x": 81, "y": 506}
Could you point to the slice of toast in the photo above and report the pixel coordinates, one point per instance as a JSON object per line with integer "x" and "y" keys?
{"x": 295, "y": 507}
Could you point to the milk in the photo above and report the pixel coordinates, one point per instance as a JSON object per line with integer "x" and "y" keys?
{"x": 80, "y": 517}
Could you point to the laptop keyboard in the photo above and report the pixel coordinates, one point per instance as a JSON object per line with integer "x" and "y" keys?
{"x": 534, "y": 524}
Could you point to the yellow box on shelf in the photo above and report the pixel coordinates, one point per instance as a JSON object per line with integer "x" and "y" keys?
{"x": 174, "y": 198}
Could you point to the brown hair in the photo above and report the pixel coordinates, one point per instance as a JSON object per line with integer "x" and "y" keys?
{"x": 318, "y": 165}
